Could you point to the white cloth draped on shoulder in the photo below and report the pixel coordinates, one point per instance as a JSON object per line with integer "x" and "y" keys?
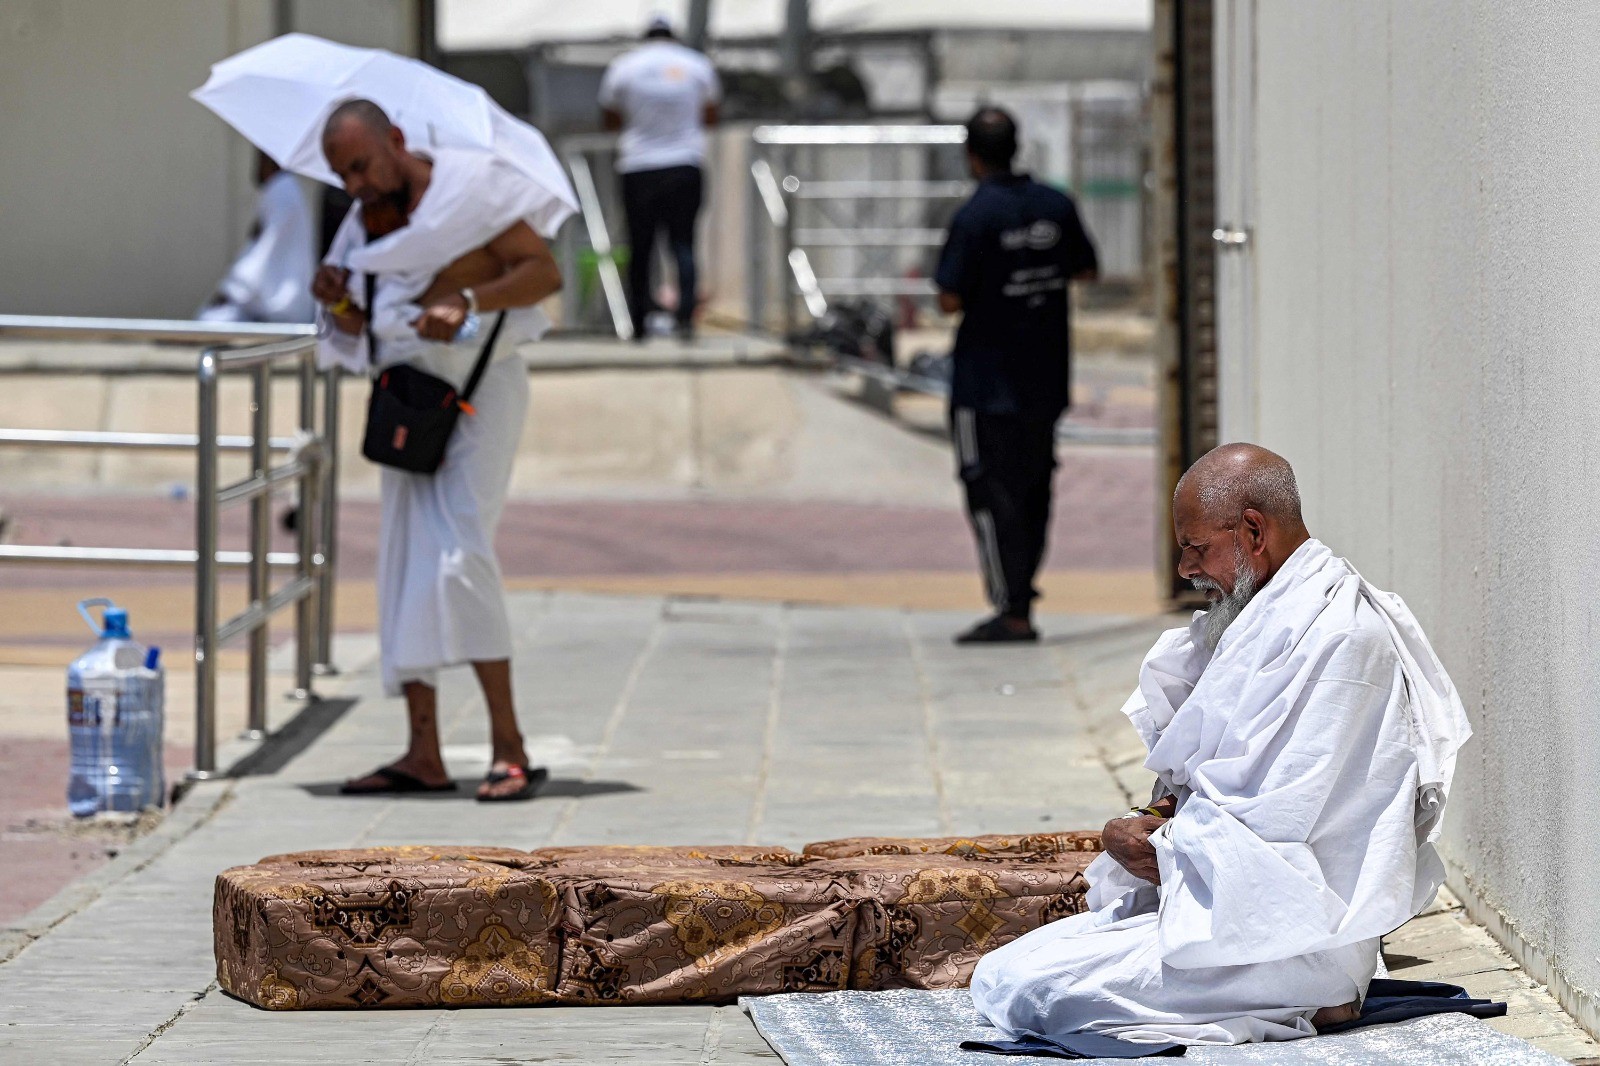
{"x": 440, "y": 595}
{"x": 1311, "y": 755}
{"x": 472, "y": 198}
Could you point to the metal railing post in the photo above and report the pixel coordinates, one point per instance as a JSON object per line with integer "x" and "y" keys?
{"x": 307, "y": 528}
{"x": 594, "y": 220}
{"x": 786, "y": 235}
{"x": 205, "y": 590}
{"x": 328, "y": 548}
{"x": 768, "y": 214}
{"x": 311, "y": 464}
{"x": 260, "y": 534}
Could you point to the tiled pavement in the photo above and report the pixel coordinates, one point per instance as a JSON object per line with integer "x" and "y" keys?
{"x": 664, "y": 721}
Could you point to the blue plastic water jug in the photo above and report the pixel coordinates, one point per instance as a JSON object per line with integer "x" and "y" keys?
{"x": 115, "y": 712}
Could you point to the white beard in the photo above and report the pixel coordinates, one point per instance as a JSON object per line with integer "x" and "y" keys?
{"x": 1221, "y": 614}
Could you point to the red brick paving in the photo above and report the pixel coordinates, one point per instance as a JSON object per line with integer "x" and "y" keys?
{"x": 1103, "y": 521}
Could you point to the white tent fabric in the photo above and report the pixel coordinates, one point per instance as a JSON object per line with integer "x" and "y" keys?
{"x": 467, "y": 25}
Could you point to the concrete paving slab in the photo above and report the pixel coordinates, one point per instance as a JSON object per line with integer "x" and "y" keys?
{"x": 49, "y": 1041}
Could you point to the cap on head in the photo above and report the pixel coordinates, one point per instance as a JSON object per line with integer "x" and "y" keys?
{"x": 1234, "y": 477}
{"x": 659, "y": 26}
{"x": 992, "y": 137}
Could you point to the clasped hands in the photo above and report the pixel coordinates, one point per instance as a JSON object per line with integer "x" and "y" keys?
{"x": 439, "y": 321}
{"x": 1127, "y": 840}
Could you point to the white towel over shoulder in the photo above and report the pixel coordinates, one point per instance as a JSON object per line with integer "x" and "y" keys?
{"x": 472, "y": 197}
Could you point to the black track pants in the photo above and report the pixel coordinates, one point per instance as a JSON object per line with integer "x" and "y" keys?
{"x": 1006, "y": 464}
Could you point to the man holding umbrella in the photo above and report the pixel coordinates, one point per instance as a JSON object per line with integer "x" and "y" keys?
{"x": 453, "y": 200}
{"x": 439, "y": 588}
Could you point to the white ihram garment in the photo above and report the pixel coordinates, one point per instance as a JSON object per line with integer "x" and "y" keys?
{"x": 271, "y": 279}
{"x": 1310, "y": 755}
{"x": 440, "y": 595}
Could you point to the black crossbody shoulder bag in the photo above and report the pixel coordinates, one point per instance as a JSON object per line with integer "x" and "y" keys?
{"x": 412, "y": 413}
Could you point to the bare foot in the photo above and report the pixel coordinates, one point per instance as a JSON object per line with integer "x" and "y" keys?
{"x": 1327, "y": 1016}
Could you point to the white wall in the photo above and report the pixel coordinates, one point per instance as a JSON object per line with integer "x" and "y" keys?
{"x": 1428, "y": 334}
{"x": 390, "y": 24}
{"x": 119, "y": 195}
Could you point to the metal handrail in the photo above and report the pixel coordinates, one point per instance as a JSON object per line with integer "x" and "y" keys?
{"x": 880, "y": 190}
{"x": 780, "y": 195}
{"x": 934, "y": 133}
{"x": 119, "y": 558}
{"x": 181, "y": 442}
{"x": 312, "y": 465}
{"x": 837, "y": 237}
{"x": 158, "y": 330}
{"x": 878, "y": 286}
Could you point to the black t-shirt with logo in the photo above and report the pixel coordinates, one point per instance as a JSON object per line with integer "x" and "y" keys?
{"x": 1012, "y": 249}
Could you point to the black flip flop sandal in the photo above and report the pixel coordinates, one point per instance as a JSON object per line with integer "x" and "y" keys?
{"x": 395, "y": 782}
{"x": 533, "y": 778}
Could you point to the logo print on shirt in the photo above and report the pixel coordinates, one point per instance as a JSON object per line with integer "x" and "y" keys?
{"x": 1041, "y": 236}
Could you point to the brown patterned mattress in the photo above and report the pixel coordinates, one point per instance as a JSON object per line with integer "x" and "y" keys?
{"x": 426, "y": 926}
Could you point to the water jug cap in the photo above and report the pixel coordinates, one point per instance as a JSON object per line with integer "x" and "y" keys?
{"x": 115, "y": 623}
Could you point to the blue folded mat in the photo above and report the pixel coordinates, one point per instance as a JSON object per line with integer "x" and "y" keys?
{"x": 1387, "y": 1001}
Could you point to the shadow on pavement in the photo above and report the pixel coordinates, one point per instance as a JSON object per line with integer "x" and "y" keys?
{"x": 301, "y": 731}
{"x": 466, "y": 789}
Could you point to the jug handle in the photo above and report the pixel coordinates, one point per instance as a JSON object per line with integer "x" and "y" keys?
{"x": 83, "y": 609}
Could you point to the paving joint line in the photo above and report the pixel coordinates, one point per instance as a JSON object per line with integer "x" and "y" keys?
{"x": 930, "y": 737}
{"x": 423, "y": 1051}
{"x": 618, "y": 711}
{"x": 159, "y": 1030}
{"x": 769, "y": 732}
{"x": 712, "y": 1043}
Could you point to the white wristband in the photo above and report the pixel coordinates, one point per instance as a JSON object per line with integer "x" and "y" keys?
{"x": 472, "y": 300}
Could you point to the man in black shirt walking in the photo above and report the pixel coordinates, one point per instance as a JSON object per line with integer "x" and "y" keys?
{"x": 1012, "y": 249}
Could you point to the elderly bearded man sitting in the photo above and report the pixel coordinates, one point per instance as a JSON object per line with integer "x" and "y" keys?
{"x": 1303, "y": 736}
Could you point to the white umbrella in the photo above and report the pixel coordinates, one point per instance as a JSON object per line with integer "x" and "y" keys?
{"x": 279, "y": 95}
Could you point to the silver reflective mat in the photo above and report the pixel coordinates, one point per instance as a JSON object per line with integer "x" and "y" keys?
{"x": 911, "y": 1028}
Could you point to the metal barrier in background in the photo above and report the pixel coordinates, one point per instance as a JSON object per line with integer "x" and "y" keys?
{"x": 311, "y": 464}
{"x": 868, "y": 203}
{"x": 590, "y": 159}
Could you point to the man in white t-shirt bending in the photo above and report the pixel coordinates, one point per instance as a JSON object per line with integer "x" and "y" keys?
{"x": 662, "y": 96}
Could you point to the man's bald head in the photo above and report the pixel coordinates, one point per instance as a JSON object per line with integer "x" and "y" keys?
{"x": 368, "y": 153}
{"x": 364, "y": 113}
{"x": 1227, "y": 481}
{"x": 1236, "y": 514}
